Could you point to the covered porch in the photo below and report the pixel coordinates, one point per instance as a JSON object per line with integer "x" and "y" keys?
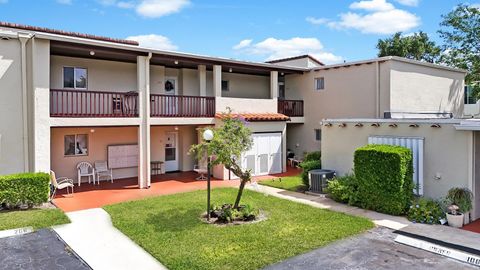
{"x": 89, "y": 196}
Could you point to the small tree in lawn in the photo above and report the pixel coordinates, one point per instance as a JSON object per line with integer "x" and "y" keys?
{"x": 230, "y": 140}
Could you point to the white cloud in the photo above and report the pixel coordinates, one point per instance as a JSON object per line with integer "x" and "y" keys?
{"x": 318, "y": 21}
{"x": 159, "y": 8}
{"x": 242, "y": 44}
{"x": 149, "y": 8}
{"x": 411, "y": 3}
{"x": 64, "y": 2}
{"x": 272, "y": 48}
{"x": 154, "y": 41}
{"x": 372, "y": 5}
{"x": 379, "y": 17}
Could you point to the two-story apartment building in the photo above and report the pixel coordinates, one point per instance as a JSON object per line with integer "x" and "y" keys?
{"x": 69, "y": 97}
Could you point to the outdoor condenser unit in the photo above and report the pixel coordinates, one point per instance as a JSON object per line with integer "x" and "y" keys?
{"x": 318, "y": 179}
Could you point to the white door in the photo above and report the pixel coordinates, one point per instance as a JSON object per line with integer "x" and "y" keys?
{"x": 171, "y": 101}
{"x": 171, "y": 152}
{"x": 265, "y": 157}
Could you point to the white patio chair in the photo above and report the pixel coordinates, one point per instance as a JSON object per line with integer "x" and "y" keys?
{"x": 85, "y": 169}
{"x": 60, "y": 183}
{"x": 102, "y": 170}
{"x": 202, "y": 171}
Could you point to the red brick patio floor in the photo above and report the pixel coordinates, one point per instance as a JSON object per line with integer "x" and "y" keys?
{"x": 89, "y": 196}
{"x": 473, "y": 227}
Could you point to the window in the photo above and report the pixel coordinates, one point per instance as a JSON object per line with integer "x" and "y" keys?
{"x": 74, "y": 77}
{"x": 76, "y": 145}
{"x": 225, "y": 85}
{"x": 318, "y": 134}
{"x": 319, "y": 83}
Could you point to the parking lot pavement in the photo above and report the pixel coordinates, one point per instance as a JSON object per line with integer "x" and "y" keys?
{"x": 40, "y": 250}
{"x": 374, "y": 249}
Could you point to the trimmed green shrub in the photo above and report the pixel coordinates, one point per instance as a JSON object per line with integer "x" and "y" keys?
{"x": 308, "y": 166}
{"x": 24, "y": 189}
{"x": 344, "y": 189}
{"x": 424, "y": 210}
{"x": 316, "y": 155}
{"x": 384, "y": 174}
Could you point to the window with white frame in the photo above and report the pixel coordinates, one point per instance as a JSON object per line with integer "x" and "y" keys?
{"x": 76, "y": 145}
{"x": 225, "y": 85}
{"x": 74, "y": 77}
{"x": 319, "y": 83}
{"x": 318, "y": 134}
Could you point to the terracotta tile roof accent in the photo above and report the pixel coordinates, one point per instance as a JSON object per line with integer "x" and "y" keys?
{"x": 66, "y": 33}
{"x": 257, "y": 117}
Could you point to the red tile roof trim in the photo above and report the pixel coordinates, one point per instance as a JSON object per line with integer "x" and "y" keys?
{"x": 66, "y": 33}
{"x": 257, "y": 117}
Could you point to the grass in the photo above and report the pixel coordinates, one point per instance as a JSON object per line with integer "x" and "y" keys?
{"x": 292, "y": 183}
{"x": 169, "y": 228}
{"x": 37, "y": 218}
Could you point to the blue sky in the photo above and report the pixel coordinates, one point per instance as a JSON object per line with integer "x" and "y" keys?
{"x": 331, "y": 30}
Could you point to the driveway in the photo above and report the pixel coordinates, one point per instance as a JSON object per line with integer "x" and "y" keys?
{"x": 374, "y": 249}
{"x": 40, "y": 250}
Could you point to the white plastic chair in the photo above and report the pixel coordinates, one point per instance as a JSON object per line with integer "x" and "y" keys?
{"x": 60, "y": 183}
{"x": 202, "y": 171}
{"x": 102, "y": 170}
{"x": 85, "y": 169}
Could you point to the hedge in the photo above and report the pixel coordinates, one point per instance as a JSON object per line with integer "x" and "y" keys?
{"x": 384, "y": 174}
{"x": 24, "y": 188}
{"x": 316, "y": 155}
{"x": 308, "y": 166}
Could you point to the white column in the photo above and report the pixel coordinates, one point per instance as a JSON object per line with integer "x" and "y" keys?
{"x": 202, "y": 80}
{"x": 39, "y": 101}
{"x": 217, "y": 80}
{"x": 273, "y": 84}
{"x": 143, "y": 84}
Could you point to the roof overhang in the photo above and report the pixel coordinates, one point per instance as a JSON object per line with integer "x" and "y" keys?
{"x": 256, "y": 117}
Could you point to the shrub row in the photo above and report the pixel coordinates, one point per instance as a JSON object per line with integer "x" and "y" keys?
{"x": 308, "y": 166}
{"x": 384, "y": 174}
{"x": 344, "y": 189}
{"x": 24, "y": 189}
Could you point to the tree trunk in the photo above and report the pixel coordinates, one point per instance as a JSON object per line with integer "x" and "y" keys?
{"x": 240, "y": 192}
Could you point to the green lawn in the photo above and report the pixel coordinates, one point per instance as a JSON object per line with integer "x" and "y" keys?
{"x": 37, "y": 218}
{"x": 170, "y": 229}
{"x": 292, "y": 183}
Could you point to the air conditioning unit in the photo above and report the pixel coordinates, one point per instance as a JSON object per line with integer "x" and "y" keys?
{"x": 318, "y": 179}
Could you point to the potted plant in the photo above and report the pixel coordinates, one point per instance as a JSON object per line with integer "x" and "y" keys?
{"x": 461, "y": 197}
{"x": 454, "y": 217}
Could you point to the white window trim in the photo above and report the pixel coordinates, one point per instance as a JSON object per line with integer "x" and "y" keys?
{"x": 315, "y": 84}
{"x": 76, "y": 155}
{"x": 74, "y": 84}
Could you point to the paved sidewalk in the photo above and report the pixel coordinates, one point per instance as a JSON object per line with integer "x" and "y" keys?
{"x": 384, "y": 220}
{"x": 92, "y": 236}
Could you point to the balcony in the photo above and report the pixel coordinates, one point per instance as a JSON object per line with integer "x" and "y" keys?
{"x": 86, "y": 103}
{"x": 181, "y": 106}
{"x": 292, "y": 108}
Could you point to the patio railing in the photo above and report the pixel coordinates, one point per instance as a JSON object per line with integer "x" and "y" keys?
{"x": 86, "y": 103}
{"x": 181, "y": 106}
{"x": 292, "y": 108}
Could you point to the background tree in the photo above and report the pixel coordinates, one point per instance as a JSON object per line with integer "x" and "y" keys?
{"x": 230, "y": 140}
{"x": 417, "y": 46}
{"x": 461, "y": 36}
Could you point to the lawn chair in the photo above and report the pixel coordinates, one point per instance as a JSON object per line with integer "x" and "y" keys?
{"x": 60, "y": 183}
{"x": 85, "y": 169}
{"x": 102, "y": 170}
{"x": 202, "y": 171}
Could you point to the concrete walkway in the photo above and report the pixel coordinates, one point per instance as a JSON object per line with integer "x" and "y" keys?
{"x": 388, "y": 221}
{"x": 92, "y": 236}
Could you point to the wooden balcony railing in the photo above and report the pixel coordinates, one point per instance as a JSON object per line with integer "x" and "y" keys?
{"x": 181, "y": 106}
{"x": 292, "y": 108}
{"x": 86, "y": 103}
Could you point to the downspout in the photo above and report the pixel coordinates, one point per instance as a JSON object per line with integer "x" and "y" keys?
{"x": 147, "y": 115}
{"x": 377, "y": 89}
{"x": 23, "y": 38}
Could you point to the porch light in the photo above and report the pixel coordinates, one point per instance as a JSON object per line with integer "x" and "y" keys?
{"x": 176, "y": 62}
{"x": 230, "y": 70}
{"x": 92, "y": 53}
{"x": 208, "y": 135}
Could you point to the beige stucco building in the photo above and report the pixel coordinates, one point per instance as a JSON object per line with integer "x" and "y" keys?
{"x": 68, "y": 97}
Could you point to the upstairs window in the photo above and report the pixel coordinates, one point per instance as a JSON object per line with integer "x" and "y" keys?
{"x": 318, "y": 135}
{"x": 319, "y": 84}
{"x": 225, "y": 85}
{"x": 74, "y": 77}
